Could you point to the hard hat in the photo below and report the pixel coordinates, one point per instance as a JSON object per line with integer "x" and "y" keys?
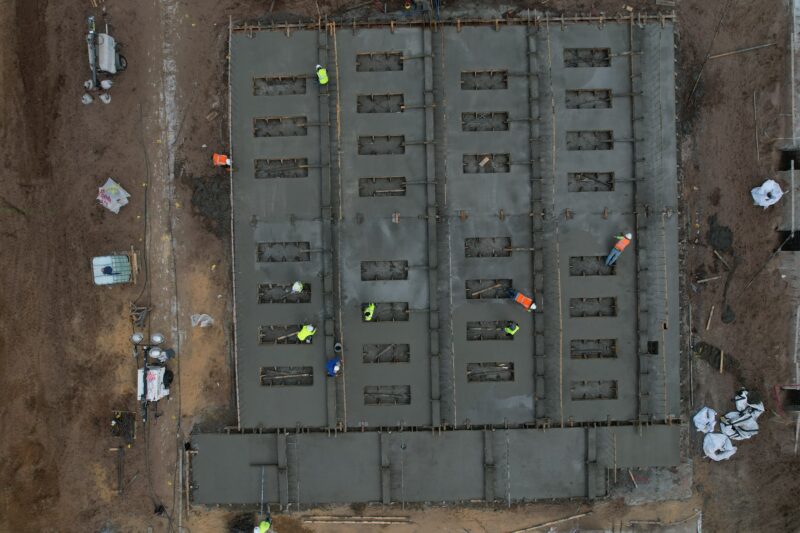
{"x": 319, "y": 67}
{"x": 256, "y": 529}
{"x": 629, "y": 235}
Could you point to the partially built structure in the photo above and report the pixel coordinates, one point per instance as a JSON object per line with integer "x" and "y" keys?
{"x": 442, "y": 165}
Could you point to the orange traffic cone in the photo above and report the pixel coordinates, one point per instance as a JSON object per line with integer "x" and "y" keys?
{"x": 221, "y": 160}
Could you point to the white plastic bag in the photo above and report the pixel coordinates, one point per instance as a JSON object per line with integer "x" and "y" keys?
{"x": 112, "y": 196}
{"x": 767, "y": 194}
{"x": 203, "y": 321}
{"x": 705, "y": 420}
{"x": 718, "y": 447}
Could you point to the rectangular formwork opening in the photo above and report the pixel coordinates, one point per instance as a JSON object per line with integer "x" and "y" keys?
{"x": 486, "y": 163}
{"x": 283, "y": 252}
{"x": 590, "y": 140}
{"x": 588, "y": 99}
{"x": 486, "y": 121}
{"x": 384, "y": 270}
{"x": 281, "y": 293}
{"x": 386, "y": 353}
{"x": 271, "y": 376}
{"x": 380, "y": 103}
{"x": 283, "y": 334}
{"x": 280, "y": 127}
{"x": 484, "y": 80}
{"x": 378, "y": 187}
{"x": 590, "y": 181}
{"x": 379, "y": 62}
{"x": 587, "y": 57}
{"x": 488, "y": 330}
{"x": 381, "y": 145}
{"x": 281, "y": 168}
{"x": 592, "y": 307}
{"x": 593, "y": 390}
{"x": 387, "y": 395}
{"x": 485, "y": 289}
{"x": 790, "y": 241}
{"x": 593, "y": 348}
{"x": 487, "y": 247}
{"x": 279, "y": 85}
{"x": 483, "y": 372}
{"x": 388, "y": 312}
{"x": 590, "y": 265}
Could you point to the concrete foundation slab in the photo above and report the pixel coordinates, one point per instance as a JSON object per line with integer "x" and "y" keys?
{"x": 440, "y": 171}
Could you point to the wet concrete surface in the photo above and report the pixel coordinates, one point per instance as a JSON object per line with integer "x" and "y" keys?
{"x": 438, "y": 170}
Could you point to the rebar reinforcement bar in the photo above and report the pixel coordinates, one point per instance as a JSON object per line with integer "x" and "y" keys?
{"x": 537, "y": 20}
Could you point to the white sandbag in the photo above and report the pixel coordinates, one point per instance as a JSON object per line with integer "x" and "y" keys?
{"x": 718, "y": 447}
{"x": 743, "y": 405}
{"x": 705, "y": 420}
{"x": 738, "y": 425}
{"x": 767, "y": 194}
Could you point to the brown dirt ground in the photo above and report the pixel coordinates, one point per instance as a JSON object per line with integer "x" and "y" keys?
{"x": 63, "y": 349}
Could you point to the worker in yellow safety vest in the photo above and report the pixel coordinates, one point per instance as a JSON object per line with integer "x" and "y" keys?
{"x": 511, "y": 328}
{"x": 369, "y": 311}
{"x": 622, "y": 242}
{"x": 263, "y": 526}
{"x": 297, "y": 287}
{"x": 322, "y": 75}
{"x": 305, "y": 334}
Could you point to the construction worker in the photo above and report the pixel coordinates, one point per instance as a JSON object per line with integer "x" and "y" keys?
{"x": 511, "y": 328}
{"x": 221, "y": 160}
{"x": 263, "y": 526}
{"x": 297, "y": 287}
{"x": 522, "y": 300}
{"x": 322, "y": 75}
{"x": 334, "y": 366}
{"x": 622, "y": 242}
{"x": 305, "y": 334}
{"x": 369, "y": 311}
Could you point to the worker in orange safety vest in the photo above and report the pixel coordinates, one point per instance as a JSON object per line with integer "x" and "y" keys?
{"x": 522, "y": 300}
{"x": 622, "y": 242}
{"x": 221, "y": 160}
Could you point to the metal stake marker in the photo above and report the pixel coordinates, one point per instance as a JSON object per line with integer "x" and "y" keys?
{"x": 755, "y": 124}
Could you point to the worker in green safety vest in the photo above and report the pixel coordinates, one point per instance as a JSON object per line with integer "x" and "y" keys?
{"x": 322, "y": 75}
{"x": 511, "y": 328}
{"x": 305, "y": 334}
{"x": 369, "y": 311}
{"x": 263, "y": 526}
